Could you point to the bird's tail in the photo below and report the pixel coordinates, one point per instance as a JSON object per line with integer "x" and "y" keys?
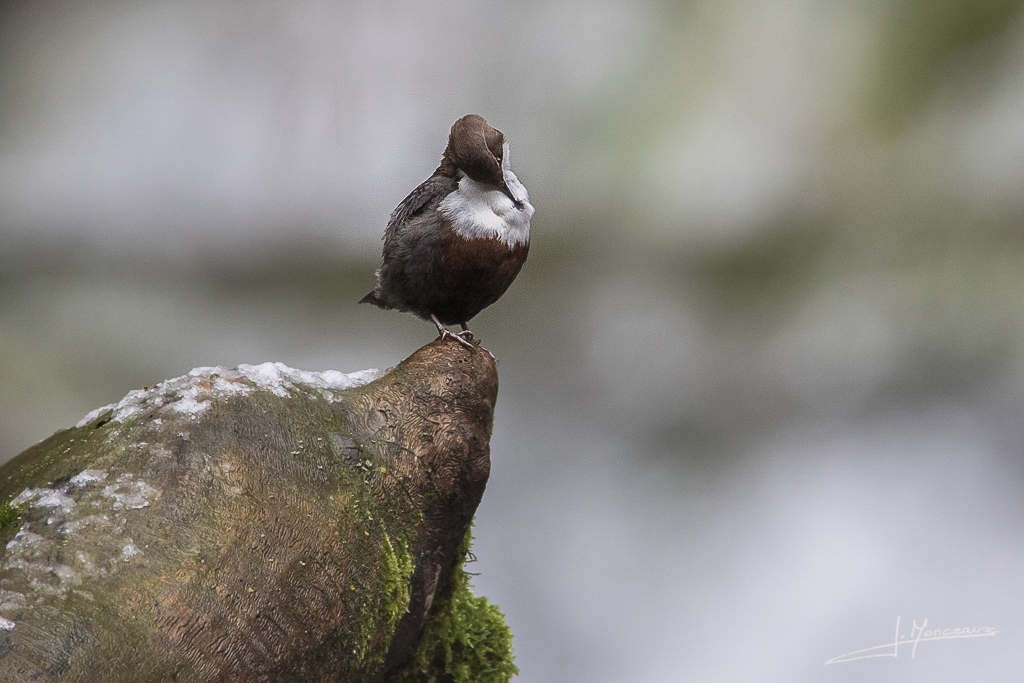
{"x": 372, "y": 298}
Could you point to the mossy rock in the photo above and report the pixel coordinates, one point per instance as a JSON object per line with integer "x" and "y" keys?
{"x": 257, "y": 524}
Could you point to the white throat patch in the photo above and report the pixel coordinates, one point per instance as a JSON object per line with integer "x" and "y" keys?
{"x": 479, "y": 210}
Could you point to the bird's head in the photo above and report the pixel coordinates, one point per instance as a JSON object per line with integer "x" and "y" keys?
{"x": 480, "y": 152}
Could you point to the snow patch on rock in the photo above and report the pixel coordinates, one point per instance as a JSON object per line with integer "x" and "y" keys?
{"x": 192, "y": 393}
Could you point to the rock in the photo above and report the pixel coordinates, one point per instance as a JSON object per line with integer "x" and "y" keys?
{"x": 259, "y": 523}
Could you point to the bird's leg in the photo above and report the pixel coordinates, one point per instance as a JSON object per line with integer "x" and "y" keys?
{"x": 469, "y": 335}
{"x": 445, "y": 332}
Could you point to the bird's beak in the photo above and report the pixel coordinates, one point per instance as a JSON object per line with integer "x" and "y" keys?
{"x": 508, "y": 193}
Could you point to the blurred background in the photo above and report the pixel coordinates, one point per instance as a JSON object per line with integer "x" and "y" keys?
{"x": 762, "y": 375}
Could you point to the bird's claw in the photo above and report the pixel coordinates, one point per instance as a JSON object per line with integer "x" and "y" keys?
{"x": 465, "y": 337}
{"x": 458, "y": 336}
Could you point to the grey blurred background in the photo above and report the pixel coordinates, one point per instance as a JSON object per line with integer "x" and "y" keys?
{"x": 762, "y": 375}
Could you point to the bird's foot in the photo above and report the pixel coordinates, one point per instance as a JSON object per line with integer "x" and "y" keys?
{"x": 466, "y": 334}
{"x": 465, "y": 337}
{"x": 458, "y": 336}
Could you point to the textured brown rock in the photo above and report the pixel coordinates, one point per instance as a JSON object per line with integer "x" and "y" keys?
{"x": 253, "y": 524}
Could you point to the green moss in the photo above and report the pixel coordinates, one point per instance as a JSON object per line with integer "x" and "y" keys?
{"x": 395, "y": 582}
{"x": 466, "y": 639}
{"x": 395, "y": 591}
{"x": 10, "y": 515}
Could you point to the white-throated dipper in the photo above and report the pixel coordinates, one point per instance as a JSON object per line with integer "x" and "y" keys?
{"x": 456, "y": 243}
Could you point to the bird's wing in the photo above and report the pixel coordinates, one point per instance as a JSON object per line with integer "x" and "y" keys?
{"x": 430, "y": 191}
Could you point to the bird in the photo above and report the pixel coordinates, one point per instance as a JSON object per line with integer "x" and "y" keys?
{"x": 456, "y": 242}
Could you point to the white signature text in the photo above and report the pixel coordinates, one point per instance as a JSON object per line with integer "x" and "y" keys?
{"x": 919, "y": 633}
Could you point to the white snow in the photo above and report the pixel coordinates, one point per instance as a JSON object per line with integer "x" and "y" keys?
{"x": 92, "y": 415}
{"x": 192, "y": 393}
{"x": 189, "y": 405}
{"x": 86, "y": 476}
{"x": 129, "y": 551}
{"x": 281, "y": 379}
{"x": 24, "y": 539}
{"x": 126, "y": 492}
{"x": 130, "y": 494}
{"x": 45, "y": 498}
